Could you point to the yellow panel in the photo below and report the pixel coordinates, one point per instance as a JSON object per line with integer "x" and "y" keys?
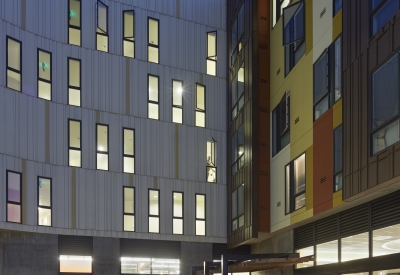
{"x": 277, "y": 65}
{"x": 309, "y": 177}
{"x": 337, "y": 25}
{"x": 309, "y": 26}
{"x": 300, "y": 215}
{"x": 337, "y": 199}
{"x": 337, "y": 114}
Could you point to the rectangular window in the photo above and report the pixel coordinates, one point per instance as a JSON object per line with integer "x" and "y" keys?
{"x": 281, "y": 125}
{"x": 153, "y": 96}
{"x": 129, "y": 34}
{"x": 74, "y": 143}
{"x": 129, "y": 209}
{"x": 177, "y": 220}
{"x": 129, "y": 150}
{"x": 154, "y": 211}
{"x": 237, "y": 35}
{"x": 354, "y": 247}
{"x": 211, "y": 165}
{"x": 177, "y": 108}
{"x": 44, "y": 201}
{"x": 153, "y": 37}
{"x": 102, "y": 27}
{"x": 327, "y": 253}
{"x": 74, "y": 82}
{"x": 385, "y": 105}
{"x": 385, "y": 240}
{"x": 200, "y": 105}
{"x": 338, "y": 158}
{"x": 295, "y": 177}
{"x": 200, "y": 215}
{"x": 44, "y": 74}
{"x": 14, "y": 201}
{"x": 212, "y": 53}
{"x": 74, "y": 22}
{"x": 131, "y": 265}
{"x": 337, "y": 6}
{"x": 102, "y": 146}
{"x": 238, "y": 92}
{"x": 71, "y": 264}
{"x": 308, "y": 251}
{"x": 278, "y": 6}
{"x": 14, "y": 64}
{"x": 238, "y": 150}
{"x": 238, "y": 208}
{"x": 381, "y": 12}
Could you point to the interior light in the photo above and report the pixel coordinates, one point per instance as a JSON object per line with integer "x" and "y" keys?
{"x": 155, "y": 196}
{"x": 180, "y": 90}
{"x": 100, "y": 148}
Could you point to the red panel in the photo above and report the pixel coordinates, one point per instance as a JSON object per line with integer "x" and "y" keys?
{"x": 323, "y": 163}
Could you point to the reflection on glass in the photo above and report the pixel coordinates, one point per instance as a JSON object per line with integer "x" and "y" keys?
{"x": 327, "y": 253}
{"x": 386, "y": 240}
{"x": 355, "y": 247}
{"x": 149, "y": 266}
{"x": 385, "y": 137}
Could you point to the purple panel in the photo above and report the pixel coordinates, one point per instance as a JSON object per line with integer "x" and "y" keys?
{"x": 13, "y": 213}
{"x": 14, "y": 187}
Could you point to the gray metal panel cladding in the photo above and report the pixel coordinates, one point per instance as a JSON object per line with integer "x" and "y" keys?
{"x": 75, "y": 245}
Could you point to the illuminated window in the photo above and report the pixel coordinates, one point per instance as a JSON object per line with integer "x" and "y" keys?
{"x": 177, "y": 102}
{"x": 308, "y": 251}
{"x": 129, "y": 34}
{"x": 74, "y": 22}
{"x": 14, "y": 202}
{"x": 44, "y": 74}
{"x": 129, "y": 150}
{"x": 200, "y": 105}
{"x": 238, "y": 92}
{"x": 129, "y": 209}
{"x": 44, "y": 201}
{"x": 74, "y": 143}
{"x": 238, "y": 208}
{"x": 102, "y": 27}
{"x": 385, "y": 240}
{"x": 74, "y": 82}
{"x": 102, "y": 146}
{"x": 154, "y": 211}
{"x": 149, "y": 266}
{"x": 153, "y": 46}
{"x": 211, "y": 165}
{"x": 200, "y": 215}
{"x": 75, "y": 264}
{"x": 355, "y": 247}
{"x": 295, "y": 173}
{"x": 327, "y": 253}
{"x": 177, "y": 220}
{"x": 153, "y": 96}
{"x": 14, "y": 61}
{"x": 212, "y": 53}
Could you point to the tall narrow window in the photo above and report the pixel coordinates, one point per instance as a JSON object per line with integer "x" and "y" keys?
{"x": 74, "y": 82}
{"x": 154, "y": 211}
{"x": 153, "y": 96}
{"x": 177, "y": 108}
{"x": 337, "y": 6}
{"x": 14, "y": 61}
{"x": 238, "y": 150}
{"x": 102, "y": 146}
{"x": 102, "y": 27}
{"x": 44, "y": 74}
{"x": 212, "y": 53}
{"x": 177, "y": 220}
{"x": 238, "y": 208}
{"x": 14, "y": 202}
{"x": 338, "y": 153}
{"x": 211, "y": 165}
{"x": 74, "y": 22}
{"x": 74, "y": 143}
{"x": 278, "y": 6}
{"x": 200, "y": 215}
{"x": 237, "y": 35}
{"x": 44, "y": 201}
{"x": 129, "y": 34}
{"x": 238, "y": 92}
{"x": 200, "y": 108}
{"x": 129, "y": 150}
{"x": 295, "y": 173}
{"x": 153, "y": 37}
{"x": 129, "y": 209}
{"x": 281, "y": 124}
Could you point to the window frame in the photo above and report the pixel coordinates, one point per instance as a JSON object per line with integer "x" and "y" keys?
{"x": 69, "y": 141}
{"x": 336, "y": 173}
{"x": 148, "y": 212}
{"x": 51, "y": 200}
{"x": 103, "y": 33}
{"x": 205, "y": 214}
{"x": 292, "y": 195}
{"x": 108, "y": 146}
{"x": 238, "y": 162}
{"x": 197, "y": 110}
{"x": 238, "y": 215}
{"x": 20, "y": 63}
{"x": 158, "y": 95}
{"x": 80, "y": 81}
{"x": 75, "y": 27}
{"x": 124, "y": 38}
{"x": 177, "y": 106}
{"x": 292, "y": 54}
{"x": 20, "y": 196}
{"x": 277, "y": 140}
{"x": 123, "y": 150}
{"x": 234, "y": 50}
{"x": 373, "y": 12}
{"x": 177, "y": 217}
{"x": 212, "y": 58}
{"x": 42, "y": 79}
{"x": 157, "y": 46}
{"x": 235, "y": 106}
{"x": 334, "y": 7}
{"x": 123, "y": 208}
{"x": 213, "y": 157}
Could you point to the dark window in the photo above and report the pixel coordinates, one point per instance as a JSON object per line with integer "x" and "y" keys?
{"x": 238, "y": 150}
{"x": 14, "y": 198}
{"x": 237, "y": 35}
{"x": 338, "y": 158}
{"x": 295, "y": 181}
{"x": 200, "y": 105}
{"x": 74, "y": 22}
{"x": 102, "y": 146}
{"x": 129, "y": 34}
{"x": 74, "y": 82}
{"x": 385, "y": 105}
{"x": 44, "y": 74}
{"x": 278, "y": 6}
{"x": 153, "y": 104}
{"x": 129, "y": 209}
{"x": 200, "y": 215}
{"x": 281, "y": 125}
{"x": 177, "y": 219}
{"x": 382, "y": 12}
{"x": 154, "y": 211}
{"x": 14, "y": 64}
{"x": 153, "y": 37}
{"x": 211, "y": 166}
{"x": 44, "y": 201}
{"x": 337, "y": 6}
{"x": 238, "y": 92}
{"x": 328, "y": 78}
{"x": 212, "y": 53}
{"x": 293, "y": 53}
{"x": 74, "y": 143}
{"x": 177, "y": 101}
{"x": 238, "y": 208}
{"x": 102, "y": 27}
{"x": 129, "y": 150}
